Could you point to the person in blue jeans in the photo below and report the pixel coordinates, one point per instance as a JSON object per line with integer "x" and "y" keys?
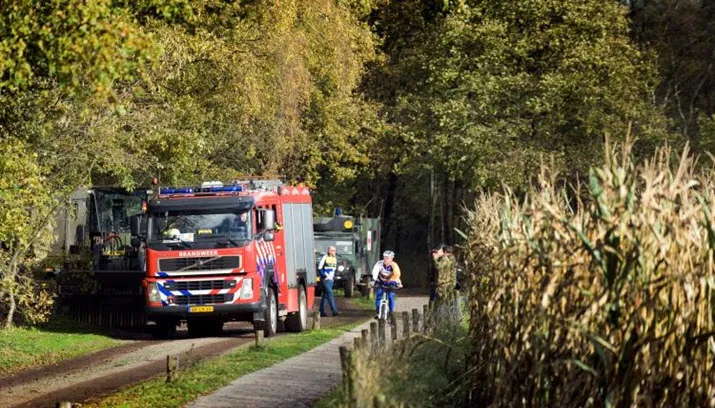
{"x": 327, "y": 265}
{"x": 386, "y": 273}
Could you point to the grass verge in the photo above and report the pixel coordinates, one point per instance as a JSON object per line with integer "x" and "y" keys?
{"x": 358, "y": 300}
{"x": 364, "y": 303}
{"x": 335, "y": 398}
{"x": 57, "y": 340}
{"x": 208, "y": 376}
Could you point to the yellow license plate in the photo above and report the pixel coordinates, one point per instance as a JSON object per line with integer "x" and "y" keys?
{"x": 201, "y": 309}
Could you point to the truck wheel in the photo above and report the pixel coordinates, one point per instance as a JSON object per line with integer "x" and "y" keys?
{"x": 350, "y": 285}
{"x": 298, "y": 322}
{"x": 164, "y": 329}
{"x": 271, "y": 324}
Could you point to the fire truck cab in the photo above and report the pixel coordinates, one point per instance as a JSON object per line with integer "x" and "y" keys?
{"x": 218, "y": 253}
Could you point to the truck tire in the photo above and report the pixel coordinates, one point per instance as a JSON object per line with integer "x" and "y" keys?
{"x": 164, "y": 329}
{"x": 350, "y": 285}
{"x": 270, "y": 326}
{"x": 298, "y": 321}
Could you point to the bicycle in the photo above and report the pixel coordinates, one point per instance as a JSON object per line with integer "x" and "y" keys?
{"x": 387, "y": 287}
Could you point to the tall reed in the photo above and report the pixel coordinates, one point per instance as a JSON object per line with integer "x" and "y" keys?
{"x": 596, "y": 294}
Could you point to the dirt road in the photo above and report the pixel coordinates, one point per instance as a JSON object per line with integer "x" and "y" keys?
{"x": 109, "y": 370}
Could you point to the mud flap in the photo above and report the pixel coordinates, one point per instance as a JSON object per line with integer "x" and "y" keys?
{"x": 259, "y": 315}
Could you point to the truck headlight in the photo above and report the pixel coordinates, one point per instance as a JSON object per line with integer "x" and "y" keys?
{"x": 153, "y": 290}
{"x": 341, "y": 268}
{"x": 247, "y": 289}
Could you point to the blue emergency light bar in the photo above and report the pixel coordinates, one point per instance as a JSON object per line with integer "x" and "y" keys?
{"x": 225, "y": 189}
{"x": 173, "y": 190}
{"x": 191, "y": 190}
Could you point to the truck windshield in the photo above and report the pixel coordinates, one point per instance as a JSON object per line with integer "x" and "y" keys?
{"x": 342, "y": 247}
{"x": 113, "y": 210}
{"x": 196, "y": 226}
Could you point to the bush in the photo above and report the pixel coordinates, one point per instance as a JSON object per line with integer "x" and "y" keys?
{"x": 596, "y": 295}
{"x": 34, "y": 297}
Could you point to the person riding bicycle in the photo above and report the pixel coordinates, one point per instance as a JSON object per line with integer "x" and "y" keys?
{"x": 386, "y": 273}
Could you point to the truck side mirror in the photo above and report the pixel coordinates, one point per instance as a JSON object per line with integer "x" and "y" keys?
{"x": 269, "y": 220}
{"x": 268, "y": 236}
{"x": 136, "y": 222}
{"x": 79, "y": 235}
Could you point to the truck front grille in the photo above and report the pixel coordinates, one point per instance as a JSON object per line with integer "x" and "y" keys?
{"x": 203, "y": 299}
{"x": 195, "y": 264}
{"x": 199, "y": 285}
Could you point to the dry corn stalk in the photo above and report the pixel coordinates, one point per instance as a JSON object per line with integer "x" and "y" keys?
{"x": 596, "y": 295}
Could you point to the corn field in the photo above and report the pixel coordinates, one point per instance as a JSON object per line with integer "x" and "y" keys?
{"x": 596, "y": 294}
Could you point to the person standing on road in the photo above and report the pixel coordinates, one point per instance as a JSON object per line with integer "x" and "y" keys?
{"x": 387, "y": 272}
{"x": 327, "y": 265}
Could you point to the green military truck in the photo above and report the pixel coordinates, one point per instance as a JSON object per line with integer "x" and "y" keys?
{"x": 357, "y": 241}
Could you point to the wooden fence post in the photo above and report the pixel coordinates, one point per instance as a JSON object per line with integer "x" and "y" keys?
{"x": 172, "y": 368}
{"x": 344, "y": 365}
{"x": 259, "y": 336}
{"x": 347, "y": 368}
{"x": 357, "y": 343}
{"x": 405, "y": 324}
{"x": 427, "y": 319}
{"x": 415, "y": 321}
{"x": 382, "y": 337}
{"x": 364, "y": 333}
{"x": 316, "y": 320}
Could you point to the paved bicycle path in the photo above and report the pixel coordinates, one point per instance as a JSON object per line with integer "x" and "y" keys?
{"x": 297, "y": 382}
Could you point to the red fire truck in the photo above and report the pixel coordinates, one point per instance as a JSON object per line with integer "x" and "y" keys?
{"x": 218, "y": 253}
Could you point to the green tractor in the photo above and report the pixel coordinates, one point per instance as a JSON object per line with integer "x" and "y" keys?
{"x": 93, "y": 260}
{"x": 357, "y": 241}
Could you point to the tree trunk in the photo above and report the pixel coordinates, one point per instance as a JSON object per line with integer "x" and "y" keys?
{"x": 10, "y": 312}
{"x": 388, "y": 222}
{"x": 11, "y": 301}
{"x": 458, "y": 201}
{"x": 449, "y": 202}
{"x": 443, "y": 194}
{"x": 432, "y": 207}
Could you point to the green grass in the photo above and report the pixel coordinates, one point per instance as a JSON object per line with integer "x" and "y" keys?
{"x": 358, "y": 300}
{"x": 58, "y": 340}
{"x": 363, "y": 303}
{"x": 333, "y": 399}
{"x": 208, "y": 376}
